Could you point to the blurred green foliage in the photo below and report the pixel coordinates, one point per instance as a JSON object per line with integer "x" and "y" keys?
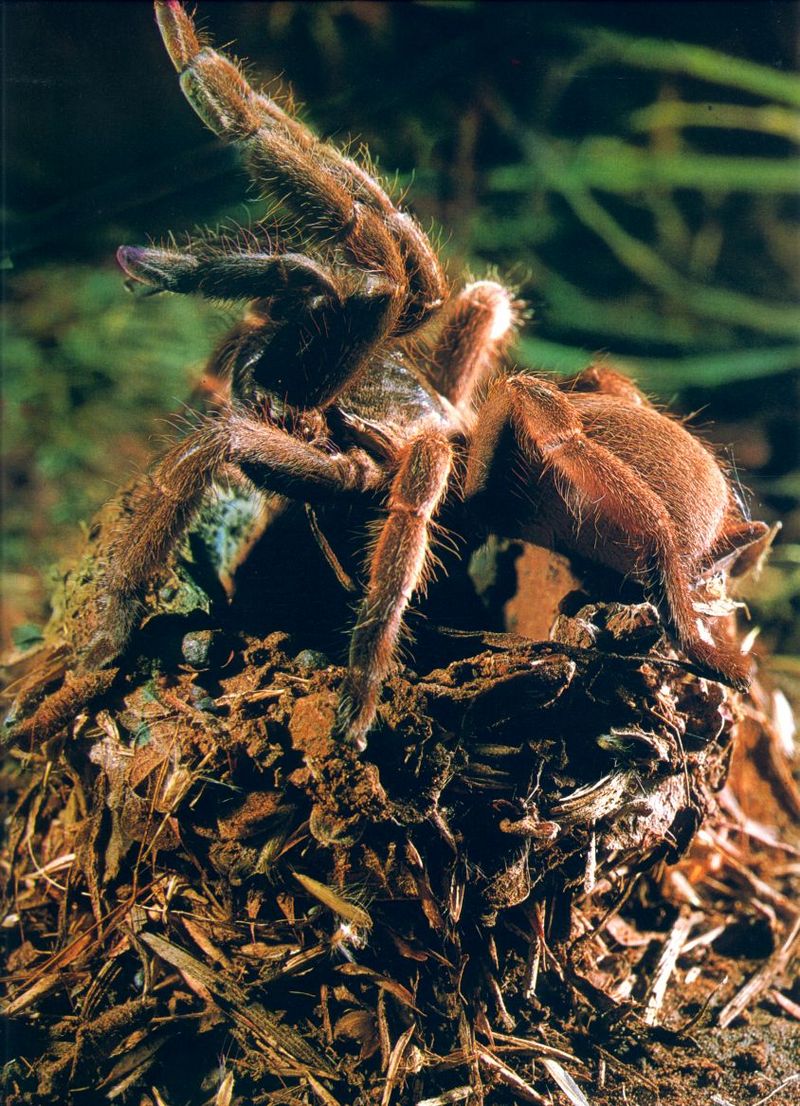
{"x": 665, "y": 220}
{"x": 87, "y": 376}
{"x": 640, "y": 192}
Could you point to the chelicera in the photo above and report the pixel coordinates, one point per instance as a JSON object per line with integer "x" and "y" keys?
{"x": 358, "y": 371}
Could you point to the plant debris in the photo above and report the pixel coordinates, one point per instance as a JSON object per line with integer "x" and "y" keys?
{"x": 564, "y": 870}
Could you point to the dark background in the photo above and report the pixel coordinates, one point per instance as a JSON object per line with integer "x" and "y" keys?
{"x": 689, "y": 283}
{"x": 97, "y": 128}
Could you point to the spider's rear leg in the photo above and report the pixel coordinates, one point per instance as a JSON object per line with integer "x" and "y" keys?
{"x": 398, "y": 568}
{"x": 332, "y": 198}
{"x": 742, "y": 545}
{"x": 597, "y": 486}
{"x": 741, "y": 541}
{"x": 602, "y": 378}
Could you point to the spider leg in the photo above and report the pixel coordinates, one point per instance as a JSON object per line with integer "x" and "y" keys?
{"x": 319, "y": 186}
{"x": 478, "y": 325}
{"x": 601, "y": 378}
{"x": 157, "y": 512}
{"x": 304, "y": 322}
{"x": 738, "y": 536}
{"x": 738, "y": 532}
{"x": 594, "y": 483}
{"x": 161, "y": 506}
{"x": 398, "y": 567}
{"x": 277, "y": 462}
{"x": 229, "y": 276}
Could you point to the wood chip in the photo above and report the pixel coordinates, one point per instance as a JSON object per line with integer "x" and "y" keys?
{"x": 509, "y": 1078}
{"x": 565, "y": 1082}
{"x": 284, "y": 1040}
{"x": 666, "y": 964}
{"x": 393, "y": 1067}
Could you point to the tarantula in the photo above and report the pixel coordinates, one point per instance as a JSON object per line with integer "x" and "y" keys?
{"x": 357, "y": 371}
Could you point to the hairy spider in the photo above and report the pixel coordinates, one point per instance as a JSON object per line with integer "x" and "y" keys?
{"x": 358, "y": 372}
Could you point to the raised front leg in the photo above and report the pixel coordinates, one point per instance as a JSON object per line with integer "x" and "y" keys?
{"x": 336, "y": 199}
{"x": 399, "y": 566}
{"x": 600, "y": 490}
{"x": 230, "y": 276}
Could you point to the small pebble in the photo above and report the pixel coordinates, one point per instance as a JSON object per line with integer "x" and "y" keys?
{"x": 196, "y": 647}
{"x": 310, "y": 660}
{"x": 208, "y": 705}
{"x": 201, "y": 700}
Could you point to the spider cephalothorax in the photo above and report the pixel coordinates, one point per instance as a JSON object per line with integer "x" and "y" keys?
{"x": 358, "y": 372}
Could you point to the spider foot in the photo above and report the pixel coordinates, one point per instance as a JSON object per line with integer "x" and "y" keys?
{"x": 355, "y": 716}
{"x": 58, "y": 710}
{"x": 101, "y": 649}
{"x": 723, "y": 663}
{"x": 115, "y": 620}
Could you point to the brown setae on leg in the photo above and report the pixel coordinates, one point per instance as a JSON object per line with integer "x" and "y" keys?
{"x": 398, "y": 568}
{"x": 164, "y": 501}
{"x": 330, "y": 194}
{"x": 599, "y": 377}
{"x": 598, "y": 488}
{"x": 479, "y": 324}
